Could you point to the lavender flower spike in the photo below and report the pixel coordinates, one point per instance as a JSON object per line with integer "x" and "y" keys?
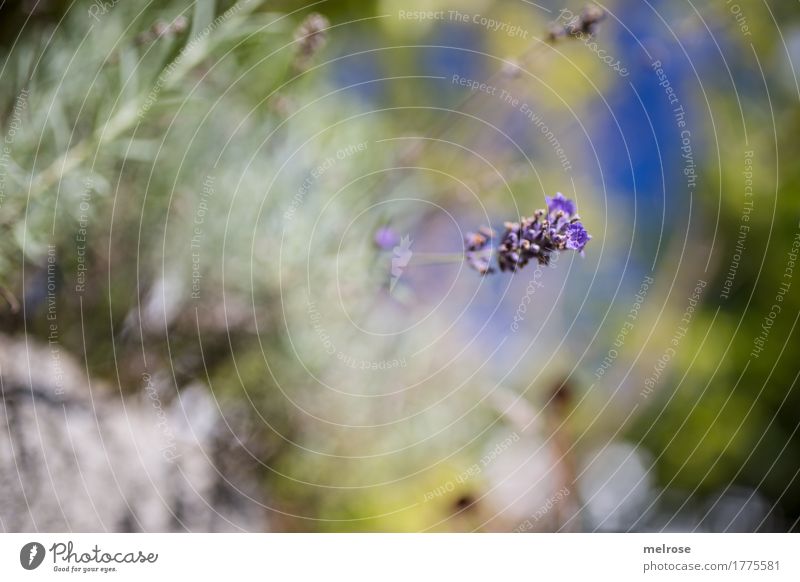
{"x": 537, "y": 237}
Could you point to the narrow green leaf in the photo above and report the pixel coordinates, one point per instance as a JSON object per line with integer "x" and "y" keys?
{"x": 204, "y": 11}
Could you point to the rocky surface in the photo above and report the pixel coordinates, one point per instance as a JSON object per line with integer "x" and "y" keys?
{"x": 76, "y": 456}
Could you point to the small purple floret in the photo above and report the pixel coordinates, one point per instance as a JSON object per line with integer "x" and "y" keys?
{"x": 386, "y": 238}
{"x": 577, "y": 237}
{"x": 560, "y": 203}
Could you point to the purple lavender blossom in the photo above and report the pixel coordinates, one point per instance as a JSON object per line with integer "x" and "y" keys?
{"x": 577, "y": 237}
{"x": 560, "y": 203}
{"x": 386, "y": 238}
{"x": 536, "y": 238}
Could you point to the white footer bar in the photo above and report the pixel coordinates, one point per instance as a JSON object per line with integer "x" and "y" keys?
{"x": 406, "y": 557}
